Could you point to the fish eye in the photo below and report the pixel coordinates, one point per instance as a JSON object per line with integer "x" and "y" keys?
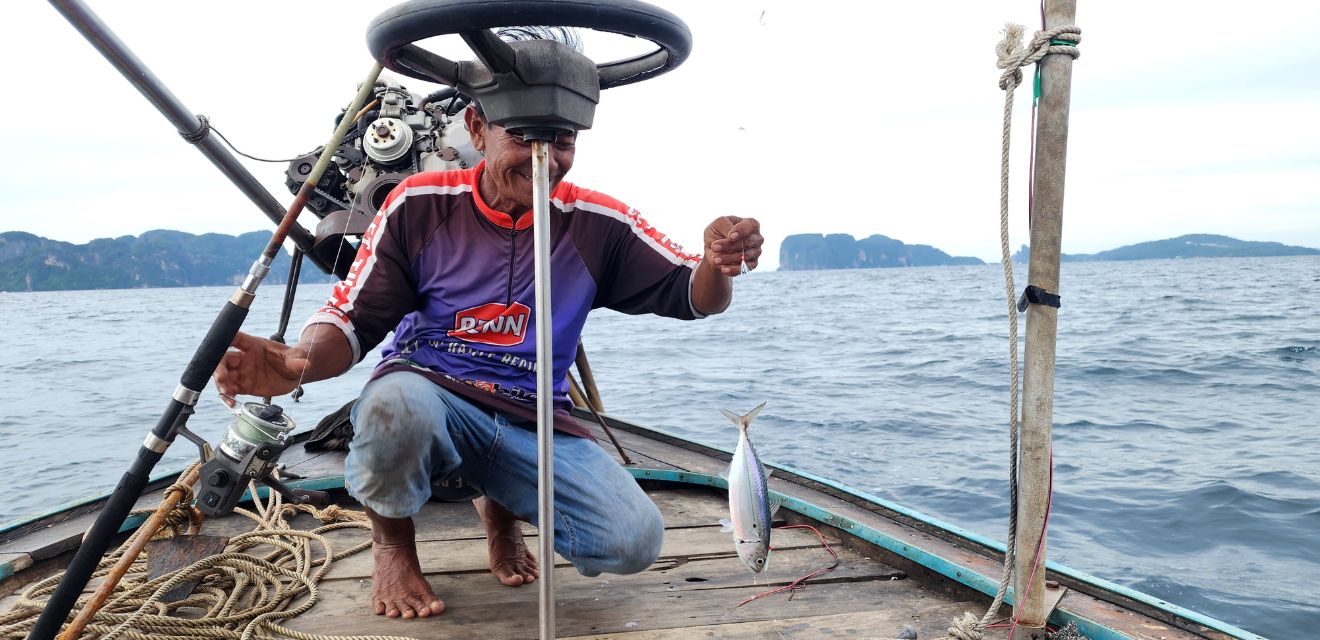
{"x": 760, "y": 561}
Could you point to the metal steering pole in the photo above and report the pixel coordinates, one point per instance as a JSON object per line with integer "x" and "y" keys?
{"x": 1035, "y": 469}
{"x": 545, "y": 389}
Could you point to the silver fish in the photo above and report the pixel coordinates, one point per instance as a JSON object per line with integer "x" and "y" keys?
{"x": 750, "y": 507}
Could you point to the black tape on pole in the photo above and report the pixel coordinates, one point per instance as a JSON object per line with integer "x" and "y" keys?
{"x": 1036, "y": 295}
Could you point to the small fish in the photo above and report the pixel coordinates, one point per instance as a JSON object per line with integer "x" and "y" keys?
{"x": 749, "y": 505}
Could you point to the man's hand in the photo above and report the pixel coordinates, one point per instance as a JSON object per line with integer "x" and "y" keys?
{"x": 259, "y": 367}
{"x": 730, "y": 241}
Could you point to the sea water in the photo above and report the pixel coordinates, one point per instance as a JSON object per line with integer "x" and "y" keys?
{"x": 1186, "y": 447}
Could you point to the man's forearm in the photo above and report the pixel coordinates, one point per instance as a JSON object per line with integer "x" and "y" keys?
{"x": 328, "y": 352}
{"x": 712, "y": 291}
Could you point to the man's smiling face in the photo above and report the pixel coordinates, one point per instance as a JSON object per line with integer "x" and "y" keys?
{"x": 506, "y": 183}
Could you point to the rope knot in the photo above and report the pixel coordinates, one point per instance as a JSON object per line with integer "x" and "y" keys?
{"x": 203, "y": 128}
{"x": 1012, "y": 56}
{"x": 966, "y": 628}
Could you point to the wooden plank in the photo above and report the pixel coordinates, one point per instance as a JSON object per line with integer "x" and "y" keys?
{"x": 61, "y": 533}
{"x": 478, "y": 606}
{"x": 874, "y": 625}
{"x": 680, "y": 574}
{"x": 459, "y": 521}
{"x": 448, "y": 556}
{"x": 11, "y": 563}
{"x": 317, "y": 464}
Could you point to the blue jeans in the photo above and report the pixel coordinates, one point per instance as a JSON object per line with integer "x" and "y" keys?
{"x": 408, "y": 431}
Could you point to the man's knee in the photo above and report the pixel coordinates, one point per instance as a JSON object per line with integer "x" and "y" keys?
{"x": 638, "y": 545}
{"x": 390, "y": 422}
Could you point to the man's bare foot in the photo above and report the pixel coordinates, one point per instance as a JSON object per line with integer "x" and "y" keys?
{"x": 398, "y": 587}
{"x": 510, "y": 560}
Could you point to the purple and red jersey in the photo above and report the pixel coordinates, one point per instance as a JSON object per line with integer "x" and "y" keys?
{"x": 454, "y": 279}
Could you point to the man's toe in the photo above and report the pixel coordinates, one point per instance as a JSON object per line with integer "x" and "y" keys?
{"x": 418, "y": 607}
{"x": 378, "y": 606}
{"x": 436, "y": 607}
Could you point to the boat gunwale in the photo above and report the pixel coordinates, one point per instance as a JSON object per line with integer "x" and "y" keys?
{"x": 1097, "y": 587}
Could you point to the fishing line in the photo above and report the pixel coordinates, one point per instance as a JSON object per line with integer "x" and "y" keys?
{"x": 352, "y": 206}
{"x": 348, "y": 219}
{"x": 799, "y": 584}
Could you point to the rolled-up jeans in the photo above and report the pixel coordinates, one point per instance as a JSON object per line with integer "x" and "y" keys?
{"x": 409, "y": 432}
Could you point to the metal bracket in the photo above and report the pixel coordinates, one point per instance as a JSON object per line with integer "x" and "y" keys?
{"x": 1054, "y": 593}
{"x": 1036, "y": 295}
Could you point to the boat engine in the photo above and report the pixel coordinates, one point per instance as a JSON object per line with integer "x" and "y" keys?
{"x": 400, "y": 133}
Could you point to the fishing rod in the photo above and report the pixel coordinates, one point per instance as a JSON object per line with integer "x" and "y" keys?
{"x": 173, "y": 422}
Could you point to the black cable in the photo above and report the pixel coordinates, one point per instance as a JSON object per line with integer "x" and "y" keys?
{"x": 206, "y": 127}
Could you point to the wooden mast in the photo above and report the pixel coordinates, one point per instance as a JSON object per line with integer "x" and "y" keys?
{"x": 1042, "y": 321}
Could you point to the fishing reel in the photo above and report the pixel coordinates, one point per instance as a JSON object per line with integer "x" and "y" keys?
{"x": 249, "y": 450}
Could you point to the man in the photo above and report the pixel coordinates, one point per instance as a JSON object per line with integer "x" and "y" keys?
{"x": 447, "y": 265}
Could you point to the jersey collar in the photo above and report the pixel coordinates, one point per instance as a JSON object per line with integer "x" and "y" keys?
{"x": 500, "y": 218}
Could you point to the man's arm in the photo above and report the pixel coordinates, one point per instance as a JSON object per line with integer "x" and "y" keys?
{"x": 260, "y": 367}
{"x": 730, "y": 241}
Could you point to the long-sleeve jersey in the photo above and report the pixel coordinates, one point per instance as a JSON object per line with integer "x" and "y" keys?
{"x": 454, "y": 279}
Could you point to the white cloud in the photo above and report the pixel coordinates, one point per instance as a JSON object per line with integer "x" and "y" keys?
{"x": 813, "y": 117}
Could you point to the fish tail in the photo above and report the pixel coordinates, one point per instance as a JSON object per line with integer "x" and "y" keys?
{"x": 734, "y": 418}
{"x": 744, "y": 421}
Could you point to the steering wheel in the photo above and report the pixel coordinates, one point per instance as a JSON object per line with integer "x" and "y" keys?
{"x": 527, "y": 67}
{"x": 391, "y": 35}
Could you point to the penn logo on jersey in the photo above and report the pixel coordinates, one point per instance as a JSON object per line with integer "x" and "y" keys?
{"x": 492, "y": 323}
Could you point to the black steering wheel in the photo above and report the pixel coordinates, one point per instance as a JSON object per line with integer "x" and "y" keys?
{"x": 391, "y": 35}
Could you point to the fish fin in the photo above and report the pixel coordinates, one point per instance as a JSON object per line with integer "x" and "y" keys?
{"x": 726, "y": 525}
{"x": 725, "y": 473}
{"x": 751, "y": 415}
{"x": 766, "y": 473}
{"x": 733, "y": 417}
{"x": 775, "y": 501}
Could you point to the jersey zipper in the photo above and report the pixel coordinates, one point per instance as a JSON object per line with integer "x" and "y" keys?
{"x": 513, "y": 254}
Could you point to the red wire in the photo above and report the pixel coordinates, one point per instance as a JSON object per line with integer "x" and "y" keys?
{"x": 800, "y": 583}
{"x": 1040, "y": 547}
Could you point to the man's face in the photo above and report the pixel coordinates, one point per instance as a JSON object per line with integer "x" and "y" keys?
{"x": 506, "y": 184}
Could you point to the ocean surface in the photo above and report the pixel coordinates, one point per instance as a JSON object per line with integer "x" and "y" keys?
{"x": 1187, "y": 444}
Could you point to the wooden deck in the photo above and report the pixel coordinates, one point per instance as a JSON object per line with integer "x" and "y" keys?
{"x": 693, "y": 589}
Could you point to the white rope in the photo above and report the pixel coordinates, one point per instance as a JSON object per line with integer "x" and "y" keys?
{"x": 244, "y": 596}
{"x": 1012, "y": 57}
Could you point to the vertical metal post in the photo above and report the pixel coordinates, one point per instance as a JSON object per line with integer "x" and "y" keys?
{"x": 1042, "y": 323}
{"x": 545, "y": 371}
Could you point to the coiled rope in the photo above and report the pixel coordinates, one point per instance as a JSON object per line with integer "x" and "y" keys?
{"x": 243, "y": 595}
{"x": 1012, "y": 56}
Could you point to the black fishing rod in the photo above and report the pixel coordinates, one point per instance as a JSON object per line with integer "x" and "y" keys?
{"x": 173, "y": 422}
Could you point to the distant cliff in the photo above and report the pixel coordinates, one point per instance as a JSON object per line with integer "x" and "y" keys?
{"x": 811, "y": 251}
{"x": 1196, "y": 245}
{"x": 155, "y": 259}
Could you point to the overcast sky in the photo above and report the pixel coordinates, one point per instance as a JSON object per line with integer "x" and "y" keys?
{"x": 824, "y": 116}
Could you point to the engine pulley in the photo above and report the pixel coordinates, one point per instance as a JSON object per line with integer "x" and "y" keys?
{"x": 388, "y": 140}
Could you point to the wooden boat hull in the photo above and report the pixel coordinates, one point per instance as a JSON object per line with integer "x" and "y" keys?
{"x": 951, "y": 569}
